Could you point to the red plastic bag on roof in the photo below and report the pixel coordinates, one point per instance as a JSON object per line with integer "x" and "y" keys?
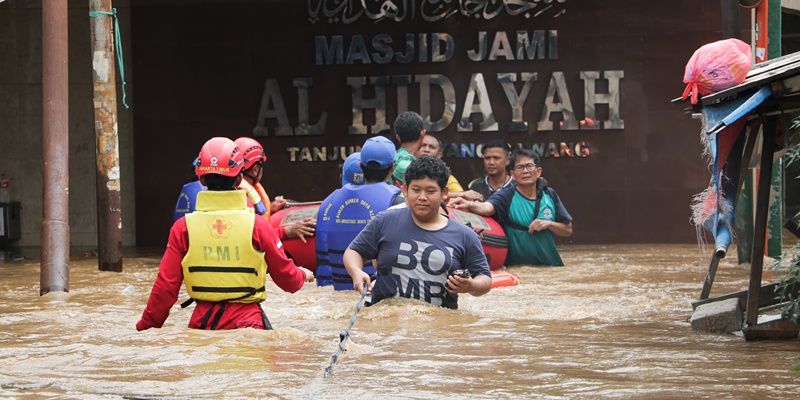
{"x": 717, "y": 66}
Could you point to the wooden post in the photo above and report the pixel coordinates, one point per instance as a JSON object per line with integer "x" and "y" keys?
{"x": 712, "y": 271}
{"x": 109, "y": 219}
{"x": 761, "y": 211}
{"x": 54, "y": 270}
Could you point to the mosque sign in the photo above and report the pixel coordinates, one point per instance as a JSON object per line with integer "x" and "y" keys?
{"x": 468, "y": 67}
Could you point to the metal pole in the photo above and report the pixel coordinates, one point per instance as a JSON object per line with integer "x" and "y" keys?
{"x": 109, "y": 221}
{"x": 54, "y": 272}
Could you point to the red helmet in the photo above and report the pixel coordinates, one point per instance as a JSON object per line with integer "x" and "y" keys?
{"x": 219, "y": 156}
{"x": 252, "y": 150}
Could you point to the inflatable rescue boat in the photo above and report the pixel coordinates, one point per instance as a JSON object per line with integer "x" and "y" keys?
{"x": 502, "y": 278}
{"x": 303, "y": 254}
{"x": 493, "y": 238}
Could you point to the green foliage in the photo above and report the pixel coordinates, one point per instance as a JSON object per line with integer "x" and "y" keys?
{"x": 785, "y": 288}
{"x": 791, "y": 257}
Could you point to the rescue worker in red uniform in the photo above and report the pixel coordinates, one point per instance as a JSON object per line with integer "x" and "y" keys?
{"x": 254, "y": 156}
{"x": 222, "y": 252}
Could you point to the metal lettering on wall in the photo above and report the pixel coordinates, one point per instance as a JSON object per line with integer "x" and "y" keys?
{"x": 517, "y": 124}
{"x": 557, "y": 101}
{"x": 477, "y": 91}
{"x": 449, "y": 150}
{"x": 536, "y": 93}
{"x": 591, "y": 98}
{"x": 425, "y": 82}
{"x": 272, "y": 95}
{"x": 401, "y": 83}
{"x": 304, "y": 127}
{"x": 377, "y": 103}
{"x": 476, "y": 101}
{"x": 349, "y": 11}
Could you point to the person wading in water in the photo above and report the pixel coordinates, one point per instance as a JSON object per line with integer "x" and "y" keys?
{"x": 222, "y": 252}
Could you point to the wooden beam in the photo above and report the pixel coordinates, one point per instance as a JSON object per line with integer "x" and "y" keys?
{"x": 776, "y": 328}
{"x": 767, "y": 296}
{"x": 792, "y": 227}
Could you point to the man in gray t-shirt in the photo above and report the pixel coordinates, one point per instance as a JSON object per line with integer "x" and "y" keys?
{"x": 417, "y": 248}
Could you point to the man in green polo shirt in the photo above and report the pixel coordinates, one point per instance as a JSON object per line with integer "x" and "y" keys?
{"x": 531, "y": 213}
{"x": 409, "y": 131}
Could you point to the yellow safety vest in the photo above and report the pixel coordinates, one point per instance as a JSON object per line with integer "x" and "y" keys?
{"x": 221, "y": 263}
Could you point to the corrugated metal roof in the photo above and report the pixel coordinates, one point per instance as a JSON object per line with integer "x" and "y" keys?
{"x": 791, "y": 4}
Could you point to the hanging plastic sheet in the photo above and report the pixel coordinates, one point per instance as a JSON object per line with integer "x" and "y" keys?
{"x": 725, "y": 127}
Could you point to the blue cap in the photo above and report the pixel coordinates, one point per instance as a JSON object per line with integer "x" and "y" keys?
{"x": 351, "y": 170}
{"x": 378, "y": 150}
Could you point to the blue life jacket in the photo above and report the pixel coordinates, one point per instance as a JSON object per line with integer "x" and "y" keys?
{"x": 352, "y": 207}
{"x": 187, "y": 199}
{"x": 323, "y": 272}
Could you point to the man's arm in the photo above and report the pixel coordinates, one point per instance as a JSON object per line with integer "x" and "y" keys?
{"x": 481, "y": 285}
{"x": 363, "y": 247}
{"x": 562, "y": 226}
{"x": 277, "y": 205}
{"x": 478, "y": 185}
{"x": 476, "y": 286}
{"x": 283, "y": 271}
{"x": 475, "y": 261}
{"x": 354, "y": 264}
{"x": 169, "y": 280}
{"x": 302, "y": 229}
{"x": 559, "y": 228}
{"x": 562, "y": 229}
{"x": 484, "y": 208}
{"x": 469, "y": 195}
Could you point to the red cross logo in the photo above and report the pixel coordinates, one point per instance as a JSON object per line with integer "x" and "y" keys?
{"x": 219, "y": 227}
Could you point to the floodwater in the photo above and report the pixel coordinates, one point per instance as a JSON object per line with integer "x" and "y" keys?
{"x": 612, "y": 324}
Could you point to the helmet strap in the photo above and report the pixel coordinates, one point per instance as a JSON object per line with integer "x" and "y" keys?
{"x": 248, "y": 175}
{"x": 252, "y": 168}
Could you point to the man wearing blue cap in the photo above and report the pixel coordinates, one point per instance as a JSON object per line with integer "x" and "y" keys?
{"x": 186, "y": 200}
{"x": 351, "y": 174}
{"x": 351, "y": 170}
{"x": 348, "y": 210}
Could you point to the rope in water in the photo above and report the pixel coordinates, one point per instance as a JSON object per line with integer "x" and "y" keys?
{"x": 346, "y": 334}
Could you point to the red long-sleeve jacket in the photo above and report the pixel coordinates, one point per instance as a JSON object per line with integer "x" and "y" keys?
{"x": 167, "y": 286}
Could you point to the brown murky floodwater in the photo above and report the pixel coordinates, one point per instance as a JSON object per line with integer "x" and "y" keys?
{"x": 612, "y": 324}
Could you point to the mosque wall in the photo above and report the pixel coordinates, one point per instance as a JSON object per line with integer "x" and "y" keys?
{"x": 586, "y": 84}
{"x": 312, "y": 80}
